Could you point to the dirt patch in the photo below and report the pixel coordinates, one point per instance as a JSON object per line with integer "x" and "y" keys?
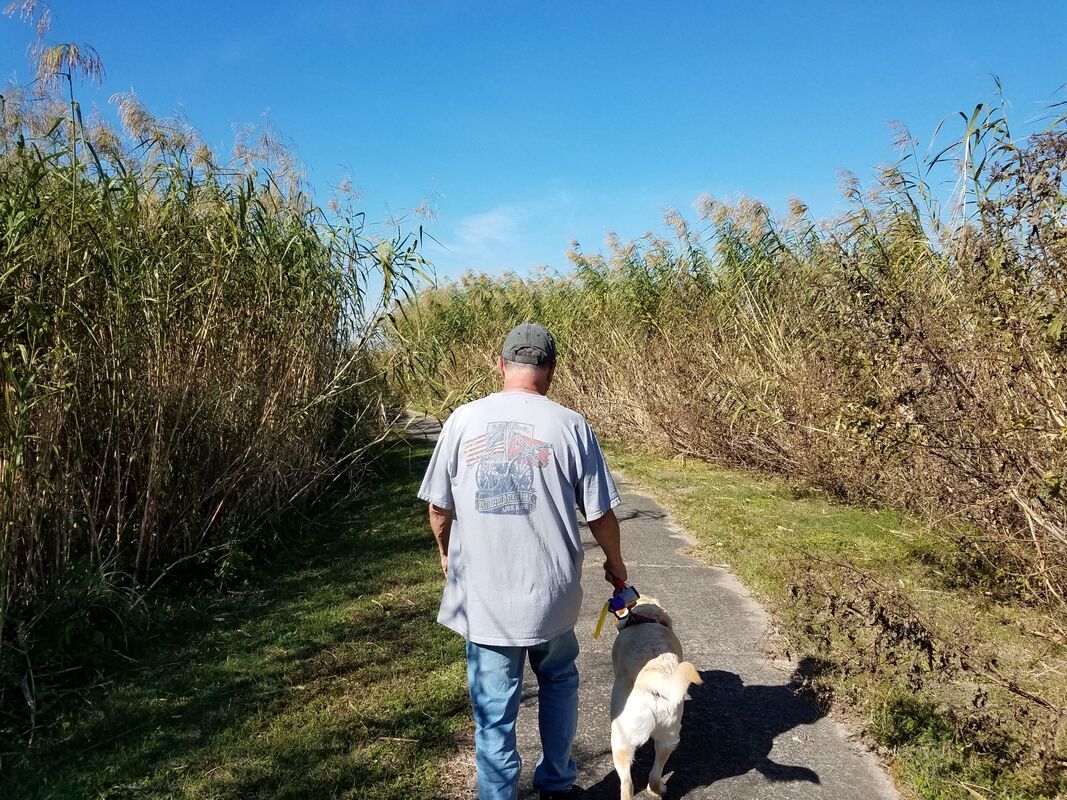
{"x": 457, "y": 772}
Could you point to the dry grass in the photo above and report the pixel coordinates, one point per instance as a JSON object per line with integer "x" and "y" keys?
{"x": 906, "y": 354}
{"x": 186, "y": 350}
{"x": 887, "y": 355}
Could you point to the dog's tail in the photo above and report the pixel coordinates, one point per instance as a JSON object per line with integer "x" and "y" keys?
{"x": 667, "y": 677}
{"x": 683, "y": 675}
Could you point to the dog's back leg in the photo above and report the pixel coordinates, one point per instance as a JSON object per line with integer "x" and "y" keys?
{"x": 666, "y": 741}
{"x": 622, "y": 755}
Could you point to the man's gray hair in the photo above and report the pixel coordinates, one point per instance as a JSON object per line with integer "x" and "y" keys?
{"x": 527, "y": 351}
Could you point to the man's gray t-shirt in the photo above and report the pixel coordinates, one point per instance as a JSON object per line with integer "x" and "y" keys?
{"x": 514, "y": 467}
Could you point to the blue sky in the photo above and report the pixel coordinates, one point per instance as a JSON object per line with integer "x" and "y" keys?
{"x": 537, "y": 123}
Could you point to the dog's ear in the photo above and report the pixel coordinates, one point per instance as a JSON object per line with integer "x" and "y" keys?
{"x": 650, "y": 607}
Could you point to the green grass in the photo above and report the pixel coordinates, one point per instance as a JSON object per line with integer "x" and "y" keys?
{"x": 765, "y": 529}
{"x": 326, "y": 675}
{"x": 729, "y": 511}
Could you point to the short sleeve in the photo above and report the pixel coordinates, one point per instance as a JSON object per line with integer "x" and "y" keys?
{"x": 437, "y": 483}
{"x": 595, "y": 492}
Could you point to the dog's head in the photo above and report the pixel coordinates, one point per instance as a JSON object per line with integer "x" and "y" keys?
{"x": 650, "y": 608}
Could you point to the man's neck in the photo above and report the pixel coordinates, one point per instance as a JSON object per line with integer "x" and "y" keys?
{"x": 522, "y": 387}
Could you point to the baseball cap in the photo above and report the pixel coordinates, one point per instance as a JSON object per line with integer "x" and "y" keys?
{"x": 533, "y": 336}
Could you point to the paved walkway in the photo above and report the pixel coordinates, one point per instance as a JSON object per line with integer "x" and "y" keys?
{"x": 745, "y": 732}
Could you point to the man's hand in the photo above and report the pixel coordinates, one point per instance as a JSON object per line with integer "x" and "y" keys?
{"x": 618, "y": 570}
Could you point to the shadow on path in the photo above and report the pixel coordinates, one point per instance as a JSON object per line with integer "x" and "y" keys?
{"x": 728, "y": 729}
{"x": 635, "y": 513}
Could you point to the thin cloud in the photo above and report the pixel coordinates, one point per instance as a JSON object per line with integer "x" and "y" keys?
{"x": 486, "y": 233}
{"x": 517, "y": 235}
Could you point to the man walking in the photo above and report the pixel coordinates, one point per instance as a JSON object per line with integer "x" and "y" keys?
{"x": 504, "y": 483}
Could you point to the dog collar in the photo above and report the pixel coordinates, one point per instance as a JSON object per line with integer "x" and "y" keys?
{"x": 634, "y": 618}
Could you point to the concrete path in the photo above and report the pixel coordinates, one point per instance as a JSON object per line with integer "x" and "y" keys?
{"x": 746, "y": 733}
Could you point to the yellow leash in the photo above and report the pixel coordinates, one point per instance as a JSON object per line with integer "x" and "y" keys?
{"x": 600, "y": 622}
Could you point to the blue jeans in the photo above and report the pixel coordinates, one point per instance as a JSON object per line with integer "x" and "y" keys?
{"x": 494, "y": 675}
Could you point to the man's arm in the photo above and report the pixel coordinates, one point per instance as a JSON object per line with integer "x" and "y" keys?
{"x": 605, "y": 530}
{"x": 441, "y": 525}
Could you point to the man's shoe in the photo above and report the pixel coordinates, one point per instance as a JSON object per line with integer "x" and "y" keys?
{"x": 574, "y": 793}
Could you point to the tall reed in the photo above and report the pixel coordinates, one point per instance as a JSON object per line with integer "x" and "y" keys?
{"x": 185, "y": 341}
{"x": 909, "y": 352}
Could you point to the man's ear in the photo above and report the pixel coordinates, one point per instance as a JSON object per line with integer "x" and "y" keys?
{"x": 500, "y": 365}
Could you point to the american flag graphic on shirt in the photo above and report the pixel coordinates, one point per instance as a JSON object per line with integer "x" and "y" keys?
{"x": 483, "y": 447}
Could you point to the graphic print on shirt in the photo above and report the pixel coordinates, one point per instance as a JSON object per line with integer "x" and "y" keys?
{"x": 505, "y": 458}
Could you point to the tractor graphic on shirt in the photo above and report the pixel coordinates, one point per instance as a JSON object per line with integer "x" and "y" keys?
{"x": 505, "y": 460}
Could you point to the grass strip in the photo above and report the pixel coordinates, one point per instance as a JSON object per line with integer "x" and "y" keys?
{"x": 948, "y": 736}
{"x": 325, "y": 675}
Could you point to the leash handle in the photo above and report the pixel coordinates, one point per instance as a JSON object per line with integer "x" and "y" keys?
{"x": 620, "y": 602}
{"x": 624, "y": 598}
